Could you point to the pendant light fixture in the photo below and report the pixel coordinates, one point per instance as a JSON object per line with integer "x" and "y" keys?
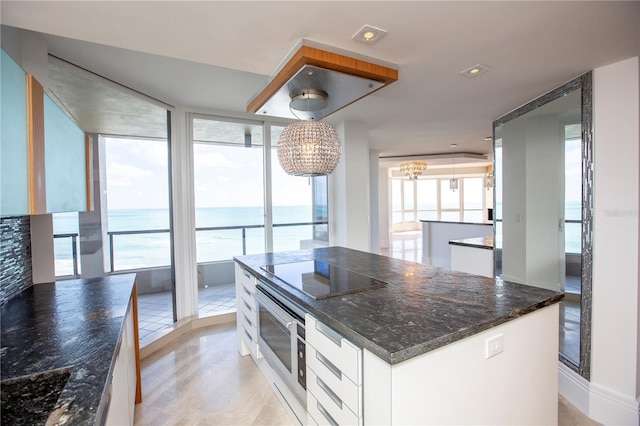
{"x": 453, "y": 182}
{"x": 316, "y": 83}
{"x": 308, "y": 147}
{"x": 413, "y": 169}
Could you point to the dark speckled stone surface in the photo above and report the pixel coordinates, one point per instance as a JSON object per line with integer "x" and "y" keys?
{"x": 421, "y": 309}
{"x": 72, "y": 327}
{"x": 476, "y": 242}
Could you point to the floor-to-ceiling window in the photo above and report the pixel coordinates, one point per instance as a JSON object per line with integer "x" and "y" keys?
{"x": 229, "y": 204}
{"x": 236, "y": 211}
{"x": 430, "y": 198}
{"x": 138, "y": 229}
{"x": 299, "y": 206}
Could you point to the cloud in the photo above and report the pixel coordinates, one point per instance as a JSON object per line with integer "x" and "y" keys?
{"x": 206, "y": 159}
{"x": 120, "y": 174}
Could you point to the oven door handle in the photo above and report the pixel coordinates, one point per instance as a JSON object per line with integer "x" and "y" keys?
{"x": 264, "y": 302}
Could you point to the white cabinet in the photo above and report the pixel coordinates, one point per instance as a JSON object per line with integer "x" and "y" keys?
{"x": 247, "y": 313}
{"x": 334, "y": 376}
{"x": 461, "y": 383}
{"x": 472, "y": 260}
{"x": 124, "y": 377}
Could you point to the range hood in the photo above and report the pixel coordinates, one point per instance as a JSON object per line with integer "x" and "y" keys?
{"x": 319, "y": 83}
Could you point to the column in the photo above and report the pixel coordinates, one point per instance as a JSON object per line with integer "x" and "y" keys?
{"x": 349, "y": 186}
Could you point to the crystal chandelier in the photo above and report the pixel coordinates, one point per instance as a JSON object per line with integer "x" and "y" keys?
{"x": 309, "y": 148}
{"x": 413, "y": 169}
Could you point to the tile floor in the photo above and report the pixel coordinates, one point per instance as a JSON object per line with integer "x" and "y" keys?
{"x": 201, "y": 379}
{"x": 155, "y": 311}
{"x": 405, "y": 245}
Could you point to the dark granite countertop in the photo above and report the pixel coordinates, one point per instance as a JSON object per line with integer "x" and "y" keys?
{"x": 61, "y": 338}
{"x": 457, "y": 222}
{"x": 476, "y": 242}
{"x": 422, "y": 308}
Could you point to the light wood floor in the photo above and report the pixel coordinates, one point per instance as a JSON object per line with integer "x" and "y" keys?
{"x": 200, "y": 379}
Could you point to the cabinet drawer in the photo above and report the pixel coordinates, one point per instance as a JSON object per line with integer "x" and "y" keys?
{"x": 250, "y": 341}
{"x": 325, "y": 411}
{"x": 249, "y": 326}
{"x": 247, "y": 297}
{"x": 246, "y": 308}
{"x": 245, "y": 278}
{"x": 339, "y": 351}
{"x": 339, "y": 384}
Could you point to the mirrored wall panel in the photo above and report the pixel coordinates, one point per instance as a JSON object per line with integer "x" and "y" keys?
{"x": 543, "y": 206}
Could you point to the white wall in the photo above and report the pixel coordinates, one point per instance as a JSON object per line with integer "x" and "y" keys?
{"x": 611, "y": 397}
{"x": 614, "y": 370}
{"x": 383, "y": 207}
{"x": 349, "y": 187}
{"x": 374, "y": 170}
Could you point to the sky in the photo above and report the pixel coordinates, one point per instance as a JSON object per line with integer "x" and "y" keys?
{"x": 224, "y": 176}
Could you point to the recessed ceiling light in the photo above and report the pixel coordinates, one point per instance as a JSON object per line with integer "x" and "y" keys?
{"x": 475, "y": 70}
{"x": 369, "y": 34}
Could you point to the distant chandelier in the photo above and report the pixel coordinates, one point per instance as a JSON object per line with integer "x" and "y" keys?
{"x": 309, "y": 148}
{"x": 488, "y": 180}
{"x": 413, "y": 169}
{"x": 453, "y": 182}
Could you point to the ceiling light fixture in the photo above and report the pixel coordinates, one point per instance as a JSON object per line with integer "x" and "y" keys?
{"x": 368, "y": 34}
{"x": 307, "y": 147}
{"x": 475, "y": 70}
{"x": 413, "y": 169}
{"x": 488, "y": 181}
{"x": 312, "y": 84}
{"x": 453, "y": 182}
{"x": 342, "y": 79}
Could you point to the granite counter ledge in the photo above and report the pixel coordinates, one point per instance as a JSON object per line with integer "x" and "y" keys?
{"x": 74, "y": 325}
{"x": 477, "y": 242}
{"x": 421, "y": 309}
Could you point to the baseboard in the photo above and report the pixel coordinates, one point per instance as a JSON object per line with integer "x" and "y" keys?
{"x": 169, "y": 335}
{"x": 597, "y": 402}
{"x": 612, "y": 408}
{"x": 574, "y": 388}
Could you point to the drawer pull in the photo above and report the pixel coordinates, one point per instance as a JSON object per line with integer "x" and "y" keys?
{"x": 248, "y": 335}
{"x": 329, "y": 333}
{"x": 329, "y": 392}
{"x": 246, "y": 274}
{"x": 247, "y": 305}
{"x": 330, "y": 366}
{"x": 326, "y": 415}
{"x": 247, "y": 320}
{"x": 246, "y": 291}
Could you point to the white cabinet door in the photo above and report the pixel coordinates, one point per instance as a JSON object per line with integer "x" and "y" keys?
{"x": 123, "y": 382}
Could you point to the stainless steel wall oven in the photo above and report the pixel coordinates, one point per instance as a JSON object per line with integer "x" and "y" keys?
{"x": 281, "y": 337}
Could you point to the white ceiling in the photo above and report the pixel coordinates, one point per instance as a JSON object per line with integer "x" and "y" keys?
{"x": 215, "y": 55}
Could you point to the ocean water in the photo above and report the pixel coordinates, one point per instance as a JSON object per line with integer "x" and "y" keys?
{"x": 153, "y": 249}
{"x": 572, "y": 231}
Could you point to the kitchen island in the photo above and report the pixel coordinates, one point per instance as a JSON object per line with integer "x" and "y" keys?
{"x": 436, "y": 235}
{"x": 473, "y": 255}
{"x": 70, "y": 353}
{"x": 435, "y": 346}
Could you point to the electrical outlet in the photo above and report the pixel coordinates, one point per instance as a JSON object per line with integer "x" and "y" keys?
{"x": 495, "y": 345}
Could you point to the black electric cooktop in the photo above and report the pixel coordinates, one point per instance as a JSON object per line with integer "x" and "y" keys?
{"x": 320, "y": 279}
